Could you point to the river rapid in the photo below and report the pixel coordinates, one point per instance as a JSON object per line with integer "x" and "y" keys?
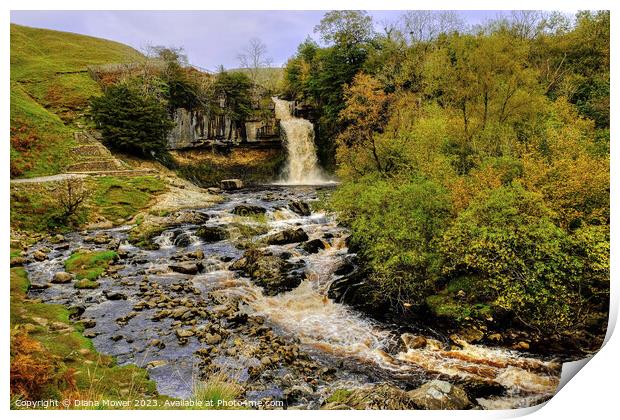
{"x": 187, "y": 310}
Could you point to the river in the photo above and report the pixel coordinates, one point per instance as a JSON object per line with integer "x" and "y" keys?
{"x": 271, "y": 343}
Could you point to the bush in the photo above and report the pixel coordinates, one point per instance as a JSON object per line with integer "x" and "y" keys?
{"x": 396, "y": 227}
{"x": 132, "y": 122}
{"x": 523, "y": 262}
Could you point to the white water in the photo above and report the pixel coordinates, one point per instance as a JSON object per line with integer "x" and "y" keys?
{"x": 302, "y": 166}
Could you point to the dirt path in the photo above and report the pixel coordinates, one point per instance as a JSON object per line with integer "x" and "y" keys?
{"x": 76, "y": 175}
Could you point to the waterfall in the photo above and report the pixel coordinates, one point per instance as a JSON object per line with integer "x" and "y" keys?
{"x": 302, "y": 166}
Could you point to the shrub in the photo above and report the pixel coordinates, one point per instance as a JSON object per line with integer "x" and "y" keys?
{"x": 524, "y": 263}
{"x": 396, "y": 227}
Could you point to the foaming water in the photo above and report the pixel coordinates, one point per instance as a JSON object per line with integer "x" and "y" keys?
{"x": 302, "y": 166}
{"x": 322, "y": 326}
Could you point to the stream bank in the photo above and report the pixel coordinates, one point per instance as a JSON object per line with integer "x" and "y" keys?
{"x": 242, "y": 288}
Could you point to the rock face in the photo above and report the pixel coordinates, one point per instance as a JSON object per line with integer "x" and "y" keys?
{"x": 288, "y": 236}
{"x": 62, "y": 277}
{"x": 212, "y": 233}
{"x": 248, "y": 210}
{"x": 231, "y": 184}
{"x": 439, "y": 395}
{"x": 300, "y": 207}
{"x": 271, "y": 272}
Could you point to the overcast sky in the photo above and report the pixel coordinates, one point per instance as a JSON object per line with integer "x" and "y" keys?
{"x": 210, "y": 38}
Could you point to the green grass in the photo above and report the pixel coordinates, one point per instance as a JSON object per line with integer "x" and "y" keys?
{"x": 40, "y": 141}
{"x": 89, "y": 265}
{"x": 70, "y": 356}
{"x": 339, "y": 396}
{"x": 34, "y": 207}
{"x": 50, "y": 87}
{"x": 121, "y": 198}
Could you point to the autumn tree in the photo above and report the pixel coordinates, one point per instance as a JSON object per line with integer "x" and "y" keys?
{"x": 365, "y": 116}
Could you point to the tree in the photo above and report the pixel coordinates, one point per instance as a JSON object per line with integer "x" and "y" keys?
{"x": 345, "y": 28}
{"x": 427, "y": 25}
{"x": 71, "y": 197}
{"x": 364, "y": 115}
{"x": 254, "y": 57}
{"x": 231, "y": 93}
{"x": 131, "y": 122}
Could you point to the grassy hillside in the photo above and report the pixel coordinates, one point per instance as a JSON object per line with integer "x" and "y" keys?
{"x": 50, "y": 87}
{"x": 268, "y": 77}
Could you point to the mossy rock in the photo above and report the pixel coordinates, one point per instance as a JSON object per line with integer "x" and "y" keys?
{"x": 89, "y": 264}
{"x": 86, "y": 284}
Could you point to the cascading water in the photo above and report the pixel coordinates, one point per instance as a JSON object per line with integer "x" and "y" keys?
{"x": 160, "y": 302}
{"x": 302, "y": 166}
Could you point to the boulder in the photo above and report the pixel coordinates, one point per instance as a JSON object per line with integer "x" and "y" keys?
{"x": 288, "y": 236}
{"x": 212, "y": 339}
{"x": 439, "y": 395}
{"x": 313, "y": 246}
{"x": 39, "y": 255}
{"x": 183, "y": 240}
{"x": 112, "y": 295}
{"x": 62, "y": 277}
{"x": 187, "y": 217}
{"x": 18, "y": 261}
{"x": 345, "y": 289}
{"x": 231, "y": 184}
{"x": 212, "y": 233}
{"x": 300, "y": 207}
{"x": 248, "y": 210}
{"x": 271, "y": 272}
{"x": 88, "y": 323}
{"x": 185, "y": 268}
{"x": 376, "y": 397}
{"x": 183, "y": 333}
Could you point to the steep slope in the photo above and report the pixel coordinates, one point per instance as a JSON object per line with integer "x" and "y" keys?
{"x": 50, "y": 87}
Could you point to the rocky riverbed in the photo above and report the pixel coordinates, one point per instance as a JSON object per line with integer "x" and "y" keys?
{"x": 241, "y": 288}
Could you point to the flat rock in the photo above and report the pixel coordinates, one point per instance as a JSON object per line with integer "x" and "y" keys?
{"x": 111, "y": 295}
{"x": 231, "y": 184}
{"x": 185, "y": 268}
